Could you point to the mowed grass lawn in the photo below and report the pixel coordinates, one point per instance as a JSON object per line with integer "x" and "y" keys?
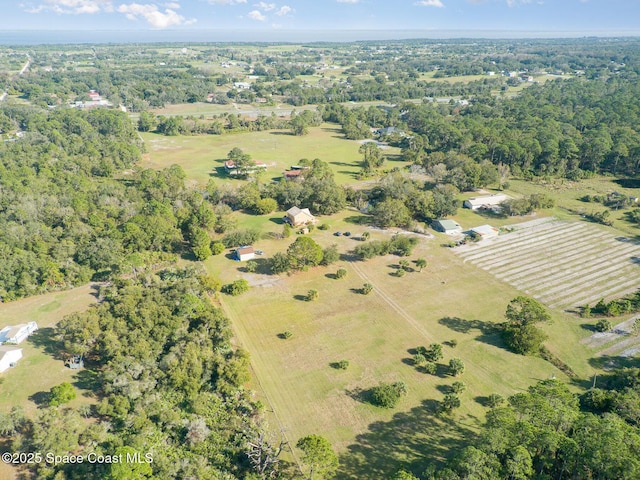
{"x": 40, "y": 368}
{"x": 202, "y": 157}
{"x": 376, "y": 334}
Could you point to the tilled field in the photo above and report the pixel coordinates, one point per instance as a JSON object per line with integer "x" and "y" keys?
{"x": 562, "y": 264}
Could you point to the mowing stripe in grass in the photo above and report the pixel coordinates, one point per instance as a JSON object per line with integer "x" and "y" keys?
{"x": 521, "y": 248}
{"x": 549, "y": 256}
{"x": 558, "y": 272}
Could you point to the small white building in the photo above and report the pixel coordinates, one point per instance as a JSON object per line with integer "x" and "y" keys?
{"x": 9, "y": 356}
{"x": 18, "y": 333}
{"x": 486, "y": 202}
{"x": 447, "y": 226}
{"x": 245, "y": 253}
{"x": 485, "y": 231}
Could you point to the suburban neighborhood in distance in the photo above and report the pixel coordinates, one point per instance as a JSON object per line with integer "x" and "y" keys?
{"x": 390, "y": 257}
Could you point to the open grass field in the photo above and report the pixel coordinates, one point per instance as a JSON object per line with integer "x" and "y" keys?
{"x": 245, "y": 109}
{"x": 452, "y": 299}
{"x": 202, "y": 157}
{"x": 40, "y": 368}
{"x": 567, "y": 195}
{"x": 449, "y": 300}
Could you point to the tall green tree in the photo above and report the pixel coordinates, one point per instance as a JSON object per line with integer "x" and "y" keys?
{"x": 318, "y": 456}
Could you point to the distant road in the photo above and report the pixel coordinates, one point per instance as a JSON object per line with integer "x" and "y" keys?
{"x": 22, "y": 70}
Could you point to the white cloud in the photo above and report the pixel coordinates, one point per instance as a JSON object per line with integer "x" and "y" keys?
{"x": 256, "y": 15}
{"x": 153, "y": 16}
{"x": 347, "y": 1}
{"x": 172, "y": 5}
{"x": 267, "y": 7}
{"x": 73, "y": 6}
{"x": 227, "y": 2}
{"x": 430, "y": 3}
{"x": 284, "y": 10}
{"x": 515, "y": 3}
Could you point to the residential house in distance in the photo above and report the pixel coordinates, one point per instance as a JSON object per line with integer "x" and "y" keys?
{"x": 245, "y": 253}
{"x": 95, "y": 100}
{"x": 9, "y": 356}
{"x": 242, "y": 85}
{"x": 487, "y": 202}
{"x": 231, "y": 168}
{"x": 18, "y": 333}
{"x": 297, "y": 217}
{"x": 447, "y": 226}
{"x": 296, "y": 172}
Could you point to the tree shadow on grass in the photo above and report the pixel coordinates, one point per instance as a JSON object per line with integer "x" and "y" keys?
{"x": 44, "y": 338}
{"x": 358, "y": 219}
{"x": 489, "y": 332}
{"x": 87, "y": 380}
{"x": 301, "y": 298}
{"x": 607, "y": 362}
{"x": 410, "y": 440}
{"x": 41, "y": 399}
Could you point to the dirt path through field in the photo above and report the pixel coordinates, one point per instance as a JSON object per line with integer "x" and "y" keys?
{"x": 393, "y": 304}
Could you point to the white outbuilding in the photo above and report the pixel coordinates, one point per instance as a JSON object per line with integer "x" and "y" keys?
{"x": 9, "y": 357}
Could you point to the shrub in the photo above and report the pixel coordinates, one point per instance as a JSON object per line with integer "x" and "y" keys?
{"x": 312, "y": 295}
{"x": 433, "y": 352}
{"x": 62, "y": 393}
{"x": 456, "y": 367}
{"x": 286, "y": 334}
{"x": 495, "y": 400}
{"x": 265, "y": 206}
{"x": 330, "y": 255}
{"x": 279, "y": 263}
{"x": 341, "y": 273}
{"x": 431, "y": 368}
{"x": 419, "y": 359}
{"x": 366, "y": 289}
{"x": 251, "y": 266}
{"x": 400, "y": 272}
{"x": 236, "y": 288}
{"x": 458, "y": 387}
{"x": 241, "y": 237}
{"x": 217, "y": 248}
{"x": 324, "y": 226}
{"x": 604, "y": 325}
{"x": 341, "y": 365}
{"x": 387, "y": 395}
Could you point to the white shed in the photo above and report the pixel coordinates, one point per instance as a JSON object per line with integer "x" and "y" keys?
{"x": 18, "y": 333}
{"x": 9, "y": 356}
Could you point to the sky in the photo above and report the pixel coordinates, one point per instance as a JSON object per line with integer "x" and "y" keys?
{"x": 560, "y": 17}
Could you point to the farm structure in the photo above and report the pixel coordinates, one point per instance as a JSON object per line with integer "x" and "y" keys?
{"x": 18, "y": 333}
{"x": 488, "y": 202}
{"x": 245, "y": 253}
{"x": 563, "y": 264}
{"x": 9, "y": 356}
{"x": 447, "y": 226}
{"x": 485, "y": 231}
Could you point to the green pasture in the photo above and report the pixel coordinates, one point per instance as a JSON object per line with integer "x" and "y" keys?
{"x": 202, "y": 157}
{"x": 568, "y": 194}
{"x": 447, "y": 300}
{"x": 40, "y": 367}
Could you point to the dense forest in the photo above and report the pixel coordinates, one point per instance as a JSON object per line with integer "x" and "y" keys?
{"x": 550, "y": 432}
{"x": 167, "y": 383}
